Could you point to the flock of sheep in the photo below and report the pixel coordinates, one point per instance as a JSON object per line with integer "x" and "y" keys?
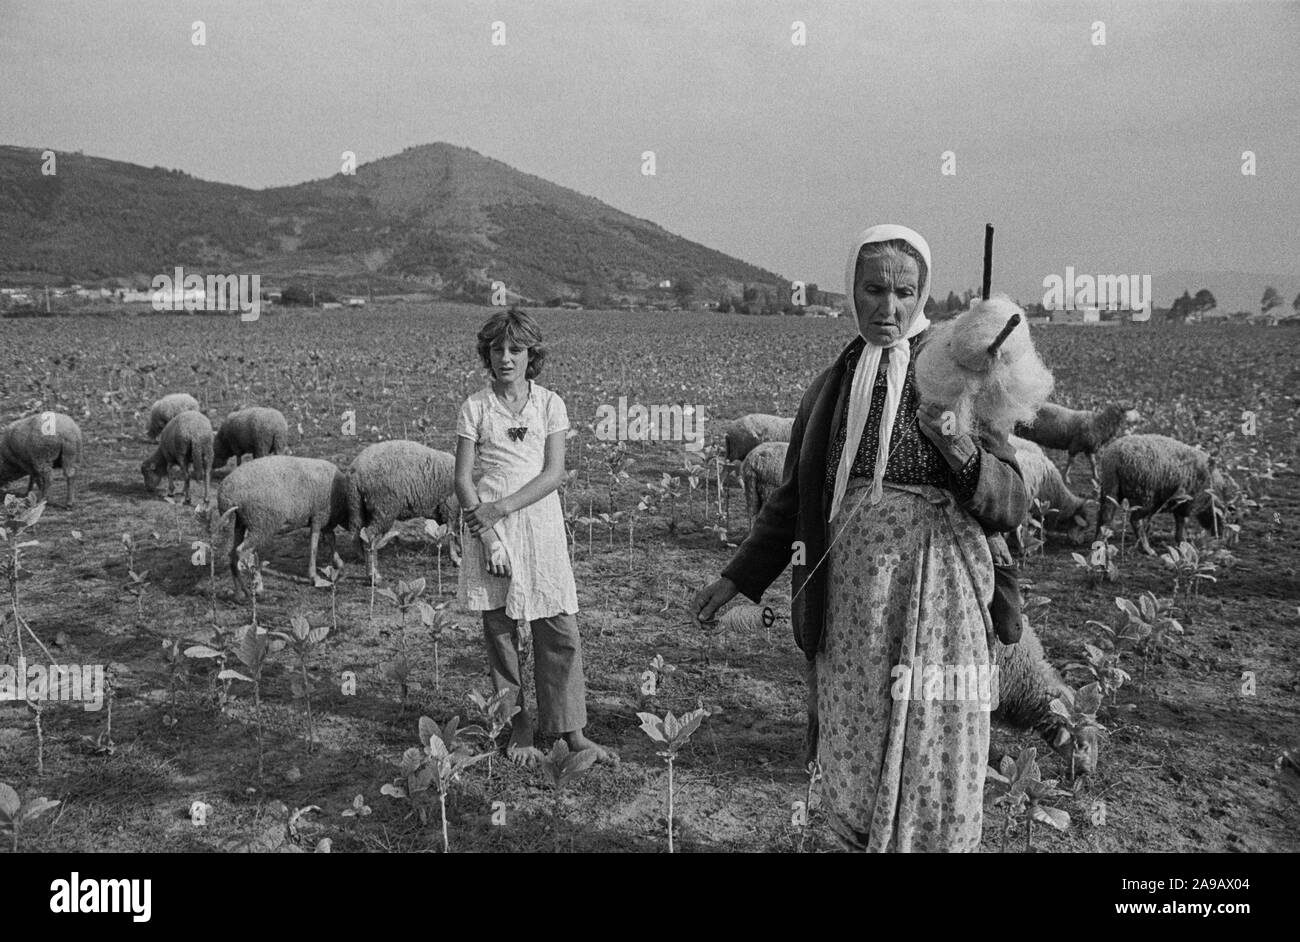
{"x": 1154, "y": 473}
{"x": 387, "y": 482}
{"x": 401, "y": 480}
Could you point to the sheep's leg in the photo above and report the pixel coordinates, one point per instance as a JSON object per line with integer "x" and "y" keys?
{"x": 1142, "y": 530}
{"x": 171, "y": 485}
{"x": 189, "y": 473}
{"x": 68, "y": 475}
{"x": 311, "y": 557}
{"x": 236, "y": 540}
{"x": 1180, "y": 526}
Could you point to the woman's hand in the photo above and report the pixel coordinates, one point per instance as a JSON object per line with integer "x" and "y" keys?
{"x": 495, "y": 558}
{"x": 483, "y": 517}
{"x": 940, "y": 426}
{"x": 712, "y": 597}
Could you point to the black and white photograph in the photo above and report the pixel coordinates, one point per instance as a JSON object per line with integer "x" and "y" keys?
{"x": 725, "y": 427}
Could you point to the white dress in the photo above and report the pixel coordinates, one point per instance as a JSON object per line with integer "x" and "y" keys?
{"x": 541, "y": 582}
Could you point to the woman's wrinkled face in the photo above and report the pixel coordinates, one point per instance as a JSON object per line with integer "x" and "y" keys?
{"x": 509, "y": 360}
{"x": 885, "y": 296}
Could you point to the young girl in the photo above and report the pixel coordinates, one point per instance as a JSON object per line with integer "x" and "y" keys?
{"x": 509, "y": 462}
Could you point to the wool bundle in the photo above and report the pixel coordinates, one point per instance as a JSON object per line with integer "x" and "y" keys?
{"x": 982, "y": 366}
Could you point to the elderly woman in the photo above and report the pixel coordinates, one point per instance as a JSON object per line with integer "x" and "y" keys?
{"x": 885, "y": 509}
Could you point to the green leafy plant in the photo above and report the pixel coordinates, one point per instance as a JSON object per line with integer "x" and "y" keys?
{"x": 253, "y": 647}
{"x": 302, "y": 639}
{"x": 378, "y": 543}
{"x": 405, "y": 597}
{"x": 1100, "y": 563}
{"x": 1079, "y": 727}
{"x": 496, "y": 713}
{"x": 672, "y": 733}
{"x": 1021, "y": 791}
{"x": 439, "y": 623}
{"x": 1103, "y": 667}
{"x": 178, "y": 671}
{"x": 440, "y": 763}
{"x": 16, "y": 814}
{"x": 1189, "y": 568}
{"x": 562, "y": 768}
{"x": 330, "y": 576}
{"x": 20, "y": 516}
{"x": 1148, "y": 628}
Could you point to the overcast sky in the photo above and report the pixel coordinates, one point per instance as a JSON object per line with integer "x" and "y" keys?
{"x": 1117, "y": 159}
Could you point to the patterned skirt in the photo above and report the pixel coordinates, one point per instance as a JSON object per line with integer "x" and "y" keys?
{"x": 904, "y": 726}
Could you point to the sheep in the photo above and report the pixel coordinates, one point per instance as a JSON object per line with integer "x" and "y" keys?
{"x": 1155, "y": 473}
{"x": 398, "y": 480}
{"x": 34, "y": 446}
{"x": 186, "y": 442}
{"x": 1078, "y": 432}
{"x": 1026, "y": 686}
{"x": 166, "y": 409}
{"x": 258, "y": 430}
{"x": 749, "y": 431}
{"x": 1063, "y": 509}
{"x": 282, "y": 493}
{"x": 761, "y": 473}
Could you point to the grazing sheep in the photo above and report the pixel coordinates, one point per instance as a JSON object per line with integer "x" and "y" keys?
{"x": 1027, "y": 685}
{"x": 283, "y": 493}
{"x": 398, "y": 480}
{"x": 255, "y": 430}
{"x": 761, "y": 473}
{"x": 1064, "y": 510}
{"x": 749, "y": 431}
{"x": 166, "y": 409}
{"x": 34, "y": 446}
{"x": 1077, "y": 432}
{"x": 1155, "y": 473}
{"x": 186, "y": 442}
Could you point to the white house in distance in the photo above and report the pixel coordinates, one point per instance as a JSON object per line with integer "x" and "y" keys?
{"x": 1083, "y": 315}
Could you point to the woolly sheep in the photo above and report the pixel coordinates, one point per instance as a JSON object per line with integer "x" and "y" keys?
{"x": 761, "y": 473}
{"x": 398, "y": 480}
{"x": 34, "y": 446}
{"x": 1078, "y": 431}
{"x": 749, "y": 431}
{"x": 1064, "y": 510}
{"x": 186, "y": 442}
{"x": 1155, "y": 473}
{"x": 283, "y": 493}
{"x": 1026, "y": 686}
{"x": 166, "y": 409}
{"x": 258, "y": 430}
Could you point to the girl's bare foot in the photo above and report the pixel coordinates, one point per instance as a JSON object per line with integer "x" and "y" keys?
{"x": 521, "y": 749}
{"x": 577, "y": 742}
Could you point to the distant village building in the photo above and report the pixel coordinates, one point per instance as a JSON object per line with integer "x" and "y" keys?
{"x": 356, "y": 302}
{"x": 1086, "y": 315}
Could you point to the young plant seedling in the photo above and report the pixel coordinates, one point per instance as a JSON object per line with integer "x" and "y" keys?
{"x": 439, "y": 623}
{"x": 441, "y": 763}
{"x": 404, "y": 597}
{"x": 496, "y": 713}
{"x": 1079, "y": 729}
{"x": 331, "y": 576}
{"x": 1022, "y": 791}
{"x": 302, "y": 639}
{"x": 253, "y": 648}
{"x": 16, "y": 814}
{"x": 178, "y": 670}
{"x": 377, "y": 544}
{"x": 1103, "y": 667}
{"x": 562, "y": 768}
{"x": 672, "y": 733}
{"x": 1189, "y": 568}
{"x": 1100, "y": 563}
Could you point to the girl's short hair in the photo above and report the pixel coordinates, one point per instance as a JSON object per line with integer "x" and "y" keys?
{"x": 893, "y": 248}
{"x": 513, "y": 326}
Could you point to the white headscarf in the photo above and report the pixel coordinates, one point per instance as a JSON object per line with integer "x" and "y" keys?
{"x": 865, "y": 378}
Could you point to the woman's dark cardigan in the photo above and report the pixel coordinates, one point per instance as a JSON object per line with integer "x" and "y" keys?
{"x": 796, "y": 511}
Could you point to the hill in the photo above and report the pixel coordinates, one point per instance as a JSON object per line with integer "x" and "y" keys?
{"x": 435, "y": 216}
